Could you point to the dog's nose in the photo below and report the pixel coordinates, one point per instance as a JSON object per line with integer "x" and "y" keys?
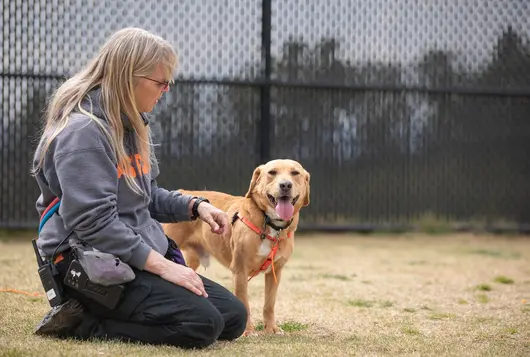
{"x": 286, "y": 185}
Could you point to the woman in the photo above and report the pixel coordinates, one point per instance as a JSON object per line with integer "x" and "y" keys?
{"x": 95, "y": 155}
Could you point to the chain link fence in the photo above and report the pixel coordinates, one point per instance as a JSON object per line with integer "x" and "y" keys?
{"x": 402, "y": 111}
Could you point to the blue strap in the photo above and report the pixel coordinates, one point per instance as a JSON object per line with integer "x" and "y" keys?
{"x": 48, "y": 215}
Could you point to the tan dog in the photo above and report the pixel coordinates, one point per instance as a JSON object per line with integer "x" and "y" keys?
{"x": 277, "y": 192}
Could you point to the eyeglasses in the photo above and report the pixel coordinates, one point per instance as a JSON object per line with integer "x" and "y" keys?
{"x": 165, "y": 85}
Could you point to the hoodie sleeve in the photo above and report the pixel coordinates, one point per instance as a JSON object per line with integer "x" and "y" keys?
{"x": 167, "y": 206}
{"x": 88, "y": 179}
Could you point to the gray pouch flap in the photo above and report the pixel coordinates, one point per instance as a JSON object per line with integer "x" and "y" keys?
{"x": 105, "y": 269}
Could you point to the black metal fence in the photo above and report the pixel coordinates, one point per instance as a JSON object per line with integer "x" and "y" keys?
{"x": 400, "y": 110}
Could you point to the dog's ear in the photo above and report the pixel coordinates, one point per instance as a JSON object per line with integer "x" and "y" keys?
{"x": 307, "y": 188}
{"x": 255, "y": 177}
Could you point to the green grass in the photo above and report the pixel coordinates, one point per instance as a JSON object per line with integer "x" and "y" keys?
{"x": 361, "y": 303}
{"x": 409, "y": 330}
{"x": 503, "y": 280}
{"x": 511, "y": 330}
{"x": 429, "y": 223}
{"x": 483, "y": 298}
{"x": 496, "y": 253}
{"x": 289, "y": 326}
{"x": 336, "y": 277}
{"x": 483, "y": 287}
{"x": 19, "y": 235}
{"x": 293, "y": 326}
{"x": 441, "y": 315}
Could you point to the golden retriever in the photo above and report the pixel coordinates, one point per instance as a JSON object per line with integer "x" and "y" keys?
{"x": 262, "y": 232}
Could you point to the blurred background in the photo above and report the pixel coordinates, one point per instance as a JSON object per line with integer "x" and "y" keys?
{"x": 407, "y": 113}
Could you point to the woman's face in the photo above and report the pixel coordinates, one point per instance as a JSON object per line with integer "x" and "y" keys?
{"x": 149, "y": 89}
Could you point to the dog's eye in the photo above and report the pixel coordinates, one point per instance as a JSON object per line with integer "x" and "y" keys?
{"x": 294, "y": 173}
{"x": 272, "y": 172}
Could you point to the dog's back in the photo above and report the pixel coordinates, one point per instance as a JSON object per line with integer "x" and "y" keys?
{"x": 191, "y": 236}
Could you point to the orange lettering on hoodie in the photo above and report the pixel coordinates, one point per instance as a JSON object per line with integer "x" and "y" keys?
{"x": 134, "y": 160}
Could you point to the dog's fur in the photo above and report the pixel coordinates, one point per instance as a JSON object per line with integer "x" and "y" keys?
{"x": 241, "y": 250}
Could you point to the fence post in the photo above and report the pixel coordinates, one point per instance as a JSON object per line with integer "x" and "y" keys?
{"x": 264, "y": 130}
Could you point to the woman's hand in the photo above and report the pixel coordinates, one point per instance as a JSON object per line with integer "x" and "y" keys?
{"x": 213, "y": 216}
{"x": 216, "y": 219}
{"x": 185, "y": 277}
{"x": 174, "y": 273}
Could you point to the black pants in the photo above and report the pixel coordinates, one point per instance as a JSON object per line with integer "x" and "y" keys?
{"x": 155, "y": 311}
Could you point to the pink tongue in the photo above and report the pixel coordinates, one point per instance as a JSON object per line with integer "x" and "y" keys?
{"x": 285, "y": 209}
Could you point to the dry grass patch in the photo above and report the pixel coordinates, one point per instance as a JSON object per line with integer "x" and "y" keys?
{"x": 340, "y": 295}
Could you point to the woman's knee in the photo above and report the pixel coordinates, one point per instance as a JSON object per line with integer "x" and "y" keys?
{"x": 201, "y": 331}
{"x": 235, "y": 321}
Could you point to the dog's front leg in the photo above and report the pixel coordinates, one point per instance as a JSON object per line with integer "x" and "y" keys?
{"x": 271, "y": 289}
{"x": 241, "y": 292}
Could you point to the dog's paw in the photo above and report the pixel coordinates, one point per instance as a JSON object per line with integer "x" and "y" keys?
{"x": 250, "y": 331}
{"x": 274, "y": 329}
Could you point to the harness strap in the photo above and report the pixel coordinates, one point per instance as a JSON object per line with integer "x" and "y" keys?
{"x": 262, "y": 233}
{"x": 268, "y": 262}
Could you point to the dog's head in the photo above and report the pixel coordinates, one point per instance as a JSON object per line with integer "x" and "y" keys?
{"x": 280, "y": 188}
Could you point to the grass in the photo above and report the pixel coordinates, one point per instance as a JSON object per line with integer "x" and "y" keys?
{"x": 505, "y": 254}
{"x": 289, "y": 326}
{"x": 441, "y": 315}
{"x": 483, "y": 298}
{"x": 349, "y": 302}
{"x": 484, "y": 287}
{"x": 511, "y": 330}
{"x": 360, "y": 303}
{"x": 368, "y": 303}
{"x": 503, "y": 280}
{"x": 336, "y": 276}
{"x": 409, "y": 330}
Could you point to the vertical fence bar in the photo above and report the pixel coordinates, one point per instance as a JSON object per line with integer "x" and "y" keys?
{"x": 264, "y": 129}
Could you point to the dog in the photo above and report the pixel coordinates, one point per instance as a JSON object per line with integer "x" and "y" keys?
{"x": 261, "y": 238}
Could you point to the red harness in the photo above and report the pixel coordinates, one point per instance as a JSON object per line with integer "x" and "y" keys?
{"x": 263, "y": 235}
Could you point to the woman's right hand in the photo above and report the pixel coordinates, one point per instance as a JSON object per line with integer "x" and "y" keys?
{"x": 174, "y": 273}
{"x": 185, "y": 277}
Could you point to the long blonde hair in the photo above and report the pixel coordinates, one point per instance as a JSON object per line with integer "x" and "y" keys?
{"x": 129, "y": 53}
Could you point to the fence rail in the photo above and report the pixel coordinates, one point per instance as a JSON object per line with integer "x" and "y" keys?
{"x": 406, "y": 114}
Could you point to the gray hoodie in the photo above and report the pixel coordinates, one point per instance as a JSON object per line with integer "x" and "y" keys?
{"x": 96, "y": 203}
